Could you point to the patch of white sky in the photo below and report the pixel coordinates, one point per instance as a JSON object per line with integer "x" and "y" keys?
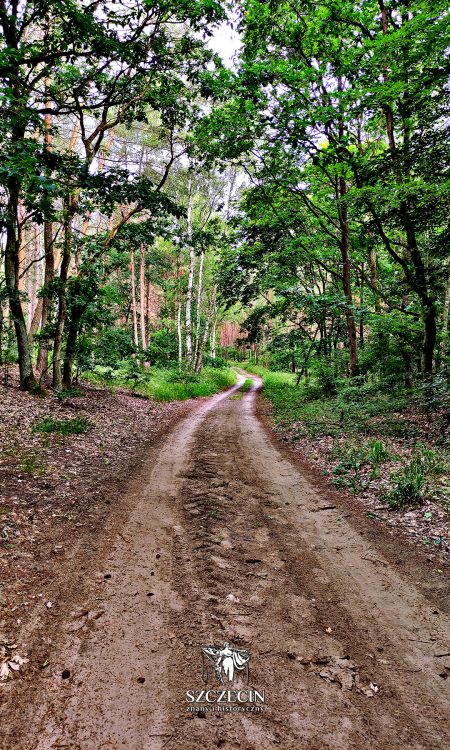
{"x": 226, "y": 42}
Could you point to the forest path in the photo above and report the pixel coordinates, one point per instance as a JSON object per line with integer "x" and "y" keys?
{"x": 229, "y": 542}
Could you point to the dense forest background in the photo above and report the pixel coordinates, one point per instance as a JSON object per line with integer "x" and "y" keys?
{"x": 162, "y": 210}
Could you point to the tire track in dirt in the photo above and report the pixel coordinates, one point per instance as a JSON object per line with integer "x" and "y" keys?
{"x": 235, "y": 545}
{"x": 234, "y": 511}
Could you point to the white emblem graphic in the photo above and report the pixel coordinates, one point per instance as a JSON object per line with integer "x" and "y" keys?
{"x": 225, "y": 660}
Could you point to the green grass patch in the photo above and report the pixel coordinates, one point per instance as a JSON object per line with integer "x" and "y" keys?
{"x": 353, "y": 410}
{"x": 31, "y": 464}
{"x": 244, "y": 388}
{"x": 69, "y": 393}
{"x": 75, "y": 426}
{"x": 166, "y": 384}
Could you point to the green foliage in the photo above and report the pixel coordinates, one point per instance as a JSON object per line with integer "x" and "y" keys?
{"x": 112, "y": 345}
{"x": 377, "y": 453}
{"x": 360, "y": 412}
{"x": 75, "y": 426}
{"x": 412, "y": 484}
{"x": 167, "y": 385}
{"x": 320, "y": 131}
{"x": 408, "y": 486}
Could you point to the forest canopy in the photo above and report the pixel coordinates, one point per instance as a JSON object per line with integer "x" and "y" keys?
{"x": 160, "y": 207}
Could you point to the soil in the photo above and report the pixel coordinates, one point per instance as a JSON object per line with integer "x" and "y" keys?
{"x": 225, "y": 539}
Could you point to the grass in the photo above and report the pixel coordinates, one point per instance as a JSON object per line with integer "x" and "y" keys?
{"x": 164, "y": 384}
{"x": 69, "y": 393}
{"x": 31, "y": 464}
{"x": 244, "y": 388}
{"x": 75, "y": 426}
{"x": 352, "y": 410}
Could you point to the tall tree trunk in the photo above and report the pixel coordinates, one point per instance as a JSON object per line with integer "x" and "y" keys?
{"x": 22, "y": 247}
{"x": 73, "y": 328}
{"x": 35, "y": 322}
{"x": 133, "y": 302}
{"x": 214, "y": 330}
{"x": 345, "y": 250}
{"x": 374, "y": 278}
{"x": 201, "y": 353}
{"x": 49, "y": 275}
{"x": 190, "y": 280}
{"x": 70, "y": 204}
{"x": 12, "y": 245}
{"x": 142, "y": 298}
{"x": 37, "y": 270}
{"x": 179, "y": 304}
{"x": 429, "y": 339}
{"x": 49, "y": 261}
{"x": 346, "y": 278}
{"x": 28, "y": 258}
{"x": 149, "y": 318}
{"x": 199, "y": 308}
{"x": 387, "y": 109}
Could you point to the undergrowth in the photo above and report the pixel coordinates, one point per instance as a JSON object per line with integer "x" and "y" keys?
{"x": 365, "y": 422}
{"x": 165, "y": 384}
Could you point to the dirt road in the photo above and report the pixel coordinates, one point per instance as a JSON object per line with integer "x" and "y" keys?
{"x": 228, "y": 541}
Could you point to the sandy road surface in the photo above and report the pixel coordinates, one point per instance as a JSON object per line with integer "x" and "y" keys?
{"x": 229, "y": 542}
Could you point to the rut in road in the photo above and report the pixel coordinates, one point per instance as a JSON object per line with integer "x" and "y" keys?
{"x": 234, "y": 544}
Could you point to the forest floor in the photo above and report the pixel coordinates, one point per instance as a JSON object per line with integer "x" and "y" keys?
{"x": 218, "y": 536}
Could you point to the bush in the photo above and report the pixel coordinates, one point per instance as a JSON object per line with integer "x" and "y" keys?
{"x": 113, "y": 345}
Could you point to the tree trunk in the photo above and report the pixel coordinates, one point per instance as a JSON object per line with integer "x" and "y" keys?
{"x": 49, "y": 262}
{"x": 133, "y": 303}
{"x": 49, "y": 275}
{"x": 22, "y": 245}
{"x": 149, "y": 319}
{"x": 214, "y": 330}
{"x": 387, "y": 109}
{"x": 71, "y": 343}
{"x": 12, "y": 245}
{"x": 142, "y": 300}
{"x": 70, "y": 204}
{"x": 190, "y": 280}
{"x": 346, "y": 279}
{"x": 428, "y": 304}
{"x": 199, "y": 308}
{"x": 429, "y": 339}
{"x": 374, "y": 278}
{"x": 201, "y": 353}
{"x": 179, "y": 303}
